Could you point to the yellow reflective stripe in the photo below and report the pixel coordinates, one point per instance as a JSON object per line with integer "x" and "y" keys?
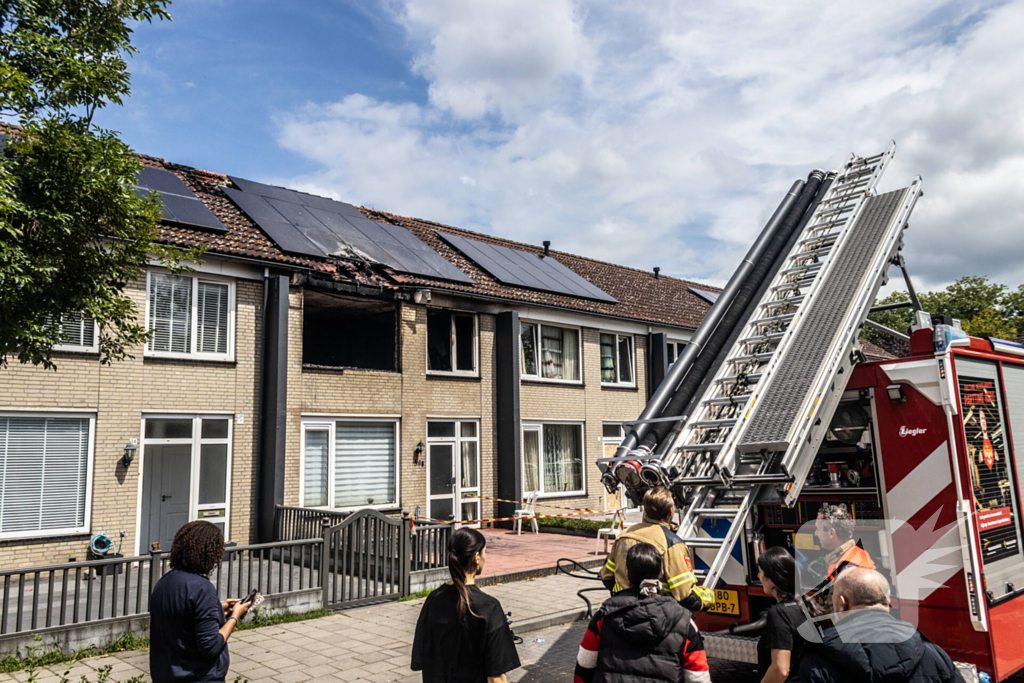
{"x": 703, "y": 593}
{"x": 676, "y": 580}
{"x": 616, "y": 588}
{"x": 609, "y": 565}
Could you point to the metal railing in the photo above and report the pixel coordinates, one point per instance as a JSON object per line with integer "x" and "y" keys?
{"x": 295, "y": 523}
{"x": 77, "y": 593}
{"x": 430, "y": 545}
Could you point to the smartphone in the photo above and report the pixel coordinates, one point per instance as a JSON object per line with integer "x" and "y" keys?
{"x": 251, "y": 596}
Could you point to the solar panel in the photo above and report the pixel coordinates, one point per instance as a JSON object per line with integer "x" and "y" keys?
{"x": 526, "y": 269}
{"x": 180, "y": 205}
{"x": 317, "y": 226}
{"x": 710, "y": 297}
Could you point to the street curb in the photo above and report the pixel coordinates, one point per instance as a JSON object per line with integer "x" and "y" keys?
{"x": 533, "y": 573}
{"x": 556, "y": 619}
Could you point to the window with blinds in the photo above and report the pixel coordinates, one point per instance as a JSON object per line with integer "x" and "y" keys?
{"x": 364, "y": 464}
{"x": 316, "y": 465}
{"x": 212, "y": 326}
{"x": 45, "y": 465}
{"x": 77, "y": 333}
{"x": 189, "y": 316}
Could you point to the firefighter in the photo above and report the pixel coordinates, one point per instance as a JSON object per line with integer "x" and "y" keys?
{"x": 657, "y": 528}
{"x": 834, "y": 530}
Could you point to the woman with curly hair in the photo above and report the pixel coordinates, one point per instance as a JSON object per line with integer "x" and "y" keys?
{"x": 188, "y": 626}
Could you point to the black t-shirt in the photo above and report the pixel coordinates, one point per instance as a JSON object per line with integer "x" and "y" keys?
{"x": 784, "y": 619}
{"x": 449, "y": 651}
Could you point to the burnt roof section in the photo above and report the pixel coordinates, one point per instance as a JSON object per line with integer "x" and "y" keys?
{"x": 641, "y": 296}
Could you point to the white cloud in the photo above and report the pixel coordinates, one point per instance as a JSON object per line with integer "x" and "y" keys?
{"x": 665, "y": 134}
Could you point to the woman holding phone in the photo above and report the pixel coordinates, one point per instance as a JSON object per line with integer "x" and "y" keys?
{"x": 189, "y": 626}
{"x": 462, "y": 635}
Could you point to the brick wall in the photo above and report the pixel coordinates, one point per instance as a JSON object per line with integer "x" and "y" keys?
{"x": 119, "y": 395}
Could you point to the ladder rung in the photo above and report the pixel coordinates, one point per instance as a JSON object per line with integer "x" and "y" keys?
{"x": 827, "y": 239}
{"x": 807, "y": 267}
{"x": 813, "y": 253}
{"x": 753, "y": 378}
{"x": 697, "y": 481}
{"x": 754, "y": 356}
{"x": 712, "y": 424}
{"x": 779, "y": 303}
{"x": 739, "y": 399}
{"x": 699, "y": 447}
{"x": 773, "y": 319}
{"x": 762, "y": 479}
{"x": 703, "y": 542}
{"x": 716, "y": 513}
{"x": 773, "y": 337}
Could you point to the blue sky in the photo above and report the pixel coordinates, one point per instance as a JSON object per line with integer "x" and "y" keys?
{"x": 657, "y": 133}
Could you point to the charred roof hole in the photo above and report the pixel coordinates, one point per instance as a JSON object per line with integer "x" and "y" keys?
{"x": 344, "y": 332}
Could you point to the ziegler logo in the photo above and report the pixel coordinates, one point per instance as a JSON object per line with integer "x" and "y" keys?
{"x": 912, "y": 432}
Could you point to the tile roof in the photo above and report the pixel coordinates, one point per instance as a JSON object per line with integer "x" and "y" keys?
{"x": 874, "y": 351}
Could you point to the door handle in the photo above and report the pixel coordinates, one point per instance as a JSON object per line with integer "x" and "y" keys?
{"x": 165, "y": 497}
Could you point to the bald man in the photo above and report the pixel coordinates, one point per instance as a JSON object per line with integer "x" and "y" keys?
{"x": 869, "y": 644}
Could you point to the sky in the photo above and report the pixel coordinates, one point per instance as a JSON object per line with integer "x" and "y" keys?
{"x": 644, "y": 133}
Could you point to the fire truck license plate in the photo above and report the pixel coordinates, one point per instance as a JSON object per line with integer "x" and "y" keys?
{"x": 726, "y": 602}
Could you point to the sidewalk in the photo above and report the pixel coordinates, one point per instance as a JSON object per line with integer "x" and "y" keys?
{"x": 510, "y": 553}
{"x": 365, "y": 644}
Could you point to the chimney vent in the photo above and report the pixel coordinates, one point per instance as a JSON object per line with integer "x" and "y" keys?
{"x": 657, "y": 270}
{"x": 547, "y": 247}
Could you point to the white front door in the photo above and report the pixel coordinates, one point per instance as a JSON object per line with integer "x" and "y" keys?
{"x": 453, "y": 470}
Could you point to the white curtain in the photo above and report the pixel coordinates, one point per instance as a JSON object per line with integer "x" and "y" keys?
{"x": 560, "y": 353}
{"x": 315, "y": 461}
{"x": 531, "y": 460}
{"x": 563, "y": 458}
{"x": 364, "y": 463}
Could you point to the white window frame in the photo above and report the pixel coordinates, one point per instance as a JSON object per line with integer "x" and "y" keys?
{"x": 617, "y": 382}
{"x": 678, "y": 345}
{"x": 538, "y": 426}
{"x": 193, "y": 354}
{"x": 539, "y": 377}
{"x": 196, "y": 441}
{"x": 475, "y": 372}
{"x": 329, "y": 423}
{"x": 457, "y": 441}
{"x": 77, "y": 348}
{"x": 86, "y": 527}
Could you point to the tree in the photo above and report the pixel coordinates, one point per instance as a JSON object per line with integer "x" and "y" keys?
{"x": 73, "y": 234}
{"x": 984, "y": 309}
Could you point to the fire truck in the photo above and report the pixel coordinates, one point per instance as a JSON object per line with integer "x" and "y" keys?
{"x": 772, "y": 410}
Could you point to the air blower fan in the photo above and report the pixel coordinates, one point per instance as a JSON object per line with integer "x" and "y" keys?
{"x": 849, "y": 423}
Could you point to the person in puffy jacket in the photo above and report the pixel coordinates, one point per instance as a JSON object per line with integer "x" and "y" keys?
{"x": 641, "y": 635}
{"x": 869, "y": 644}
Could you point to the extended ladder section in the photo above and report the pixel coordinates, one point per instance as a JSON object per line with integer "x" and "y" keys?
{"x": 757, "y": 427}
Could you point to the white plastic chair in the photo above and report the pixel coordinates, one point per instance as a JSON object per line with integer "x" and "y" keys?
{"x": 527, "y": 511}
{"x": 623, "y": 520}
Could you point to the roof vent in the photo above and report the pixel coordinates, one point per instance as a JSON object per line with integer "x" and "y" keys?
{"x": 657, "y": 272}
{"x": 547, "y": 247}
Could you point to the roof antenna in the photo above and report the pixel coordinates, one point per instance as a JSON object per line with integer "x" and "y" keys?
{"x": 547, "y": 247}
{"x": 657, "y": 270}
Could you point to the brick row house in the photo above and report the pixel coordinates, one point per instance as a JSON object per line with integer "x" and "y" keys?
{"x": 278, "y": 377}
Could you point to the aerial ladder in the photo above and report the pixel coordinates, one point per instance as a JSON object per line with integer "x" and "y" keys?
{"x": 767, "y": 388}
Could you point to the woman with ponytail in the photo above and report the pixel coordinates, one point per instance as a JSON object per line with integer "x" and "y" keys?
{"x": 781, "y": 646}
{"x": 462, "y": 635}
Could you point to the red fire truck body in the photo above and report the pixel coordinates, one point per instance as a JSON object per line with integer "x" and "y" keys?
{"x": 939, "y": 463}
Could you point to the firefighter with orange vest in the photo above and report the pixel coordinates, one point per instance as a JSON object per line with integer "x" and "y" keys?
{"x": 657, "y": 528}
{"x": 834, "y": 530}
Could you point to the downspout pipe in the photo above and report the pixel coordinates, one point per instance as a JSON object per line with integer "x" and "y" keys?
{"x": 665, "y": 390}
{"x": 802, "y": 207}
{"x": 775, "y": 250}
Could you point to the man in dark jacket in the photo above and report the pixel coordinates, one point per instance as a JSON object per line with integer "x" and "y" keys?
{"x": 869, "y": 644}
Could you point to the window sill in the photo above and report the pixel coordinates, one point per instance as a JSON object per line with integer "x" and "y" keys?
{"x": 434, "y": 374}
{"x": 342, "y": 369}
{"x": 32, "y": 535}
{"x": 389, "y": 507}
{"x": 79, "y": 351}
{"x": 553, "y": 382}
{"x": 562, "y": 494}
{"x": 618, "y": 387}
{"x": 190, "y": 360}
